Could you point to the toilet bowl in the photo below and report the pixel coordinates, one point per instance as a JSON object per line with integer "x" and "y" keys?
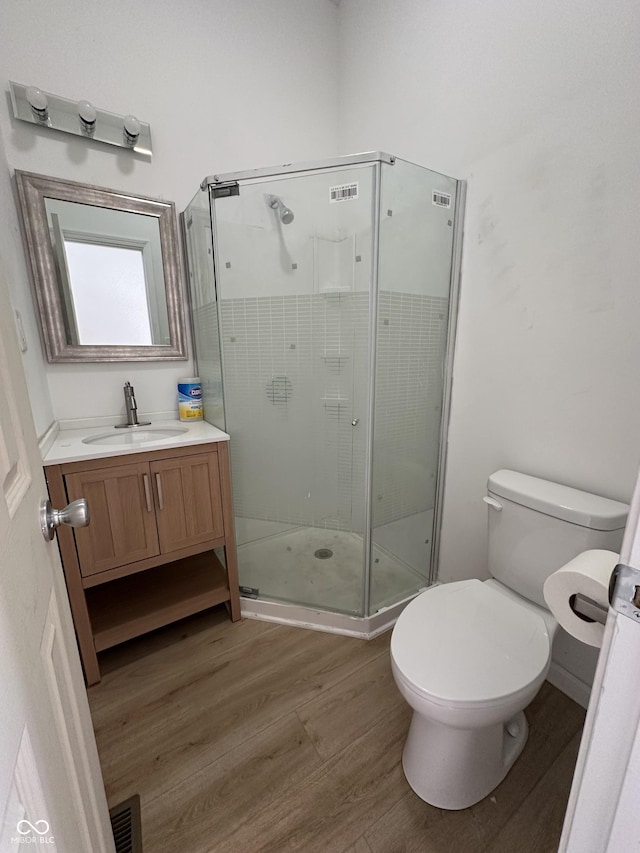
{"x": 467, "y": 657}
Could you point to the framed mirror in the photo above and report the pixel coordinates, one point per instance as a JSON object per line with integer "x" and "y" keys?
{"x": 105, "y": 271}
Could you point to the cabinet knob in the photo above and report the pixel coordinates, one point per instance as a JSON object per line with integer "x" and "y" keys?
{"x": 75, "y": 514}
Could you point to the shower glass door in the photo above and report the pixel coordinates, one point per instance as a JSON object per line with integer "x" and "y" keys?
{"x": 293, "y": 266}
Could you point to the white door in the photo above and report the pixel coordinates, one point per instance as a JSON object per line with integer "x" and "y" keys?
{"x": 603, "y": 811}
{"x": 51, "y": 789}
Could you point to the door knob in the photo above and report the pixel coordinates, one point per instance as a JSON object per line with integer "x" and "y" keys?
{"x": 76, "y": 514}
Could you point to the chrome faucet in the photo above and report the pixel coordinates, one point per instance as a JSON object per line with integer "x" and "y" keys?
{"x": 132, "y": 409}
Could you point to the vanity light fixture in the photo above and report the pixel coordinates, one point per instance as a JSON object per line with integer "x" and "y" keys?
{"x": 80, "y": 118}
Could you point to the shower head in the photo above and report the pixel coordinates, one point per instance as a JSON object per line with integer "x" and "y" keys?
{"x": 286, "y": 215}
{"x": 276, "y": 203}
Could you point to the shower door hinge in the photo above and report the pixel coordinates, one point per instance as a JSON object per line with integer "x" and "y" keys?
{"x": 226, "y": 189}
{"x": 624, "y": 591}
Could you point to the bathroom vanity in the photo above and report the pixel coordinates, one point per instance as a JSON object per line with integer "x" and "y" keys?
{"x": 160, "y": 505}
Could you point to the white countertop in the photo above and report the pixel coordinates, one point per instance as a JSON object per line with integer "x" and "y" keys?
{"x": 68, "y": 445}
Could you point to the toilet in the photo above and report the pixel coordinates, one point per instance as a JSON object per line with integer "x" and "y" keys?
{"x": 469, "y": 656}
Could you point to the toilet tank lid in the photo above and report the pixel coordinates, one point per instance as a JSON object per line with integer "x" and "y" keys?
{"x": 562, "y": 502}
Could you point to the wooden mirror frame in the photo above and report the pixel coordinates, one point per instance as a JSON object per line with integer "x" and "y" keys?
{"x": 32, "y": 192}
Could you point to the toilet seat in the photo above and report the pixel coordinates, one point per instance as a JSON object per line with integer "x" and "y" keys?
{"x": 466, "y": 644}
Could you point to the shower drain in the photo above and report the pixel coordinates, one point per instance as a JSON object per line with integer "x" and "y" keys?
{"x": 323, "y": 553}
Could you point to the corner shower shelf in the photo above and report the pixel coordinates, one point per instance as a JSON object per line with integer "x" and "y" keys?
{"x": 335, "y": 292}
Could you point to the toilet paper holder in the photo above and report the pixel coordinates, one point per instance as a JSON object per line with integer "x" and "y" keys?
{"x": 588, "y": 609}
{"x": 624, "y": 597}
{"x": 624, "y": 591}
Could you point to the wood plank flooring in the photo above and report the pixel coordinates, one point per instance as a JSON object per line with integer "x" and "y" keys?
{"x": 259, "y": 737}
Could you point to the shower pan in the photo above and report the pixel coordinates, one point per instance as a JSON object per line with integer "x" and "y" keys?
{"x": 323, "y": 302}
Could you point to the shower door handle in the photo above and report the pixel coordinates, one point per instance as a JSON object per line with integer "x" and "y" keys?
{"x": 355, "y": 422}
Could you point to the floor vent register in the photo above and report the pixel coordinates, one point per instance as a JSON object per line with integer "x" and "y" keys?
{"x": 126, "y": 825}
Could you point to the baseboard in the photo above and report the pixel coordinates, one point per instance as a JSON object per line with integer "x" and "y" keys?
{"x": 569, "y": 684}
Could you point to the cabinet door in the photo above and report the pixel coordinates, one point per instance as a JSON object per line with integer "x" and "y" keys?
{"x": 189, "y": 506}
{"x": 122, "y": 527}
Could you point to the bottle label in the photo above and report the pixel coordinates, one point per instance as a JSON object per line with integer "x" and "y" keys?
{"x": 190, "y": 401}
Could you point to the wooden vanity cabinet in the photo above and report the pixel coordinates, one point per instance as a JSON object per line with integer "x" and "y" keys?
{"x": 123, "y": 521}
{"x": 188, "y": 499}
{"x": 147, "y": 557}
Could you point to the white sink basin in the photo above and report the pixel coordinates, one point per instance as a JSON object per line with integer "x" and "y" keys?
{"x": 134, "y": 436}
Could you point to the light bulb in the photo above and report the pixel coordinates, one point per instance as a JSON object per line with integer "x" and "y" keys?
{"x": 131, "y": 129}
{"x": 38, "y": 103}
{"x": 88, "y": 115}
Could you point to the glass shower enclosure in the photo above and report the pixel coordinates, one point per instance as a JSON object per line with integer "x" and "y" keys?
{"x": 323, "y": 301}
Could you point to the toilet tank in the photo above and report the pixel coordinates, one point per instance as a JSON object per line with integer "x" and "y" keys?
{"x": 540, "y": 526}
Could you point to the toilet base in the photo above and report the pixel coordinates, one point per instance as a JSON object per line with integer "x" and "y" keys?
{"x": 455, "y": 768}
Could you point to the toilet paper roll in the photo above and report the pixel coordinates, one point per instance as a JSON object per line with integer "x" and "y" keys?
{"x": 588, "y": 574}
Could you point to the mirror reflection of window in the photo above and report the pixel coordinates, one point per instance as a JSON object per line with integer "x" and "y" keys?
{"x": 109, "y": 294}
{"x": 110, "y": 275}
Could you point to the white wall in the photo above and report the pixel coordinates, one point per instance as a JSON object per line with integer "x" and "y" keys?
{"x": 224, "y": 86}
{"x": 14, "y": 260}
{"x": 535, "y": 104}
